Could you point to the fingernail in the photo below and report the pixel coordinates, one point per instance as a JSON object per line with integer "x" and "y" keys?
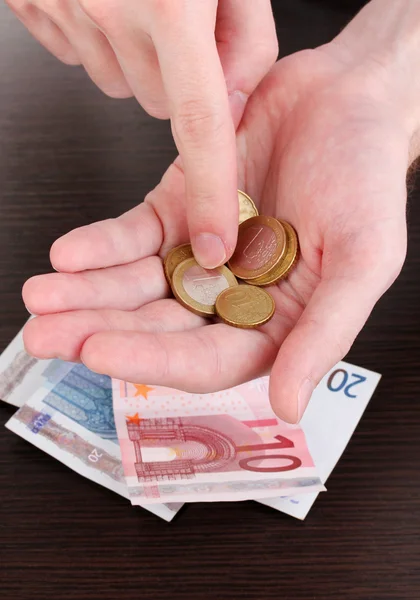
{"x": 209, "y": 250}
{"x": 305, "y": 392}
{"x": 237, "y": 101}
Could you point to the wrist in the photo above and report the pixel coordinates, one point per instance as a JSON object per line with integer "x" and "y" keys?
{"x": 380, "y": 50}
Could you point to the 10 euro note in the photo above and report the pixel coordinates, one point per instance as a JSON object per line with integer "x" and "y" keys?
{"x": 225, "y": 446}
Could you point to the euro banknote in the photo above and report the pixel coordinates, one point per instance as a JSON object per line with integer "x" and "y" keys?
{"x": 22, "y": 374}
{"x": 70, "y": 417}
{"x": 333, "y": 413}
{"x": 223, "y": 446}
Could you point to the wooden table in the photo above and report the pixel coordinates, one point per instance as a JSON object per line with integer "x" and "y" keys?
{"x": 70, "y": 156}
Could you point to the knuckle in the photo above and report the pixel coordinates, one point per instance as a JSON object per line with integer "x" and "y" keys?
{"x": 157, "y": 110}
{"x": 195, "y": 123}
{"x": 56, "y": 8}
{"x": 338, "y": 341}
{"x": 341, "y": 346}
{"x": 30, "y": 338}
{"x": 382, "y": 251}
{"x": 166, "y": 13}
{"x": 396, "y": 261}
{"x": 68, "y": 58}
{"x": 163, "y": 6}
{"x": 266, "y": 53}
{"x": 387, "y": 259}
{"x": 117, "y": 92}
{"x": 116, "y": 95}
{"x": 16, "y": 5}
{"x": 105, "y": 13}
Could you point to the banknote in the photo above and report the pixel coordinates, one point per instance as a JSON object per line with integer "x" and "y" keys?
{"x": 222, "y": 446}
{"x": 334, "y": 411}
{"x": 71, "y": 418}
{"x": 21, "y": 374}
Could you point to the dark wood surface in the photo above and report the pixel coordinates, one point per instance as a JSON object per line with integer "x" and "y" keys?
{"x": 70, "y": 156}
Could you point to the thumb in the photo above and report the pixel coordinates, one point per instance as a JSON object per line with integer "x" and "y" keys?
{"x": 328, "y": 327}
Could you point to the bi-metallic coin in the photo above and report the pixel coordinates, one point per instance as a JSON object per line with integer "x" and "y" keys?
{"x": 261, "y": 245}
{"x": 283, "y": 268}
{"x": 197, "y": 288}
{"x": 175, "y": 257}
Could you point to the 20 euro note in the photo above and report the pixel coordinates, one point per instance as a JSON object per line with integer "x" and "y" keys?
{"x": 71, "y": 418}
{"x": 334, "y": 411}
{"x": 224, "y": 446}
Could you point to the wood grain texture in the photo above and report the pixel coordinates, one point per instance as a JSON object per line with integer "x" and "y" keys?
{"x": 70, "y": 156}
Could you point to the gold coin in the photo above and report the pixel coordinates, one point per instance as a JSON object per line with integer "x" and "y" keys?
{"x": 175, "y": 257}
{"x": 247, "y": 208}
{"x": 245, "y": 306}
{"x": 261, "y": 245}
{"x": 283, "y": 268}
{"x": 197, "y": 288}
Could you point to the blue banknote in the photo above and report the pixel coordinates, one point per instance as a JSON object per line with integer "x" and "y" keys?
{"x": 83, "y": 396}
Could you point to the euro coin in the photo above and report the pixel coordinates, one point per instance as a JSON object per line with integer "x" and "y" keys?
{"x": 261, "y": 245}
{"x": 247, "y": 208}
{"x": 245, "y": 306}
{"x": 175, "y": 257}
{"x": 283, "y": 268}
{"x": 197, "y": 288}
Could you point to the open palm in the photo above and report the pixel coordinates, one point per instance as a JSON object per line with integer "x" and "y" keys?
{"x": 313, "y": 150}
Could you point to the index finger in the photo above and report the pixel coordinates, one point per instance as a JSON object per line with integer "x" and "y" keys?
{"x": 202, "y": 125}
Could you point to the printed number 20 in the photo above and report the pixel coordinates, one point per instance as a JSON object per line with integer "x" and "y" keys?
{"x": 342, "y": 384}
{"x": 94, "y": 456}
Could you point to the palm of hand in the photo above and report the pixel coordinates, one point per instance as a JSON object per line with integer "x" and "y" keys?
{"x": 331, "y": 163}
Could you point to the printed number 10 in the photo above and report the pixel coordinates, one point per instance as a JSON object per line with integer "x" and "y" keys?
{"x": 283, "y": 442}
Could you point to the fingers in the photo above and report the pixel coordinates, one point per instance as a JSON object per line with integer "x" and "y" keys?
{"x": 202, "y": 125}
{"x": 136, "y": 234}
{"x": 63, "y": 335}
{"x": 91, "y": 46}
{"x": 124, "y": 287}
{"x": 202, "y": 360}
{"x": 125, "y": 31}
{"x": 66, "y": 32}
{"x": 45, "y": 31}
{"x": 247, "y": 45}
{"x": 336, "y": 313}
{"x": 140, "y": 64}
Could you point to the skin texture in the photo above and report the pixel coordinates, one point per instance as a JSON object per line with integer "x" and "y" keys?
{"x": 324, "y": 143}
{"x": 193, "y": 62}
{"x": 332, "y": 164}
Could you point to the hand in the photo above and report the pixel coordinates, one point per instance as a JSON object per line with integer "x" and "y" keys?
{"x": 193, "y": 62}
{"x": 322, "y": 145}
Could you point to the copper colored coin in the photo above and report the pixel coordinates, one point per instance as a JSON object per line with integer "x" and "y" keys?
{"x": 283, "y": 268}
{"x": 175, "y": 257}
{"x": 247, "y": 208}
{"x": 245, "y": 306}
{"x": 197, "y": 288}
{"x": 261, "y": 245}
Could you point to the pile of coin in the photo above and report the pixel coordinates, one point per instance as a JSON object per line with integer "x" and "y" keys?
{"x": 266, "y": 251}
